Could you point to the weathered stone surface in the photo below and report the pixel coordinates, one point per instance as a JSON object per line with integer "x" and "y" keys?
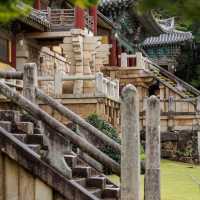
{"x": 152, "y": 174}
{"x": 130, "y": 168}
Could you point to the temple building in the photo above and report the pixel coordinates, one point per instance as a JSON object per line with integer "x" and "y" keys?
{"x": 60, "y": 64}
{"x": 158, "y": 38}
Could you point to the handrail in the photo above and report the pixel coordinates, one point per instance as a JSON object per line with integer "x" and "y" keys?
{"x": 62, "y": 130}
{"x": 11, "y": 75}
{"x": 172, "y": 76}
{"x": 76, "y": 119}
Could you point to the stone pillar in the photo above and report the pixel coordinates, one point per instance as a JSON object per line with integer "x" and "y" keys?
{"x": 22, "y": 54}
{"x": 198, "y": 142}
{"x": 171, "y": 106}
{"x": 113, "y": 53}
{"x": 124, "y": 60}
{"x": 139, "y": 61}
{"x": 99, "y": 84}
{"x": 93, "y": 13}
{"x": 30, "y": 81}
{"x": 130, "y": 159}
{"x": 79, "y": 18}
{"x": 152, "y": 175}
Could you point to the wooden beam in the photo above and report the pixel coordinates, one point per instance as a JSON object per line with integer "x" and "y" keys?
{"x": 47, "y": 35}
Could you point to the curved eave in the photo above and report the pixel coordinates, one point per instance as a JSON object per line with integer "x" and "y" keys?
{"x": 151, "y": 25}
{"x": 175, "y": 37}
{"x": 37, "y": 24}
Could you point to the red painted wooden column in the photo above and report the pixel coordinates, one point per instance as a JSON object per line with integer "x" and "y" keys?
{"x": 13, "y": 52}
{"x": 131, "y": 62}
{"x": 37, "y": 4}
{"x": 119, "y": 52}
{"x": 93, "y": 13}
{"x": 113, "y": 51}
{"x": 79, "y": 18}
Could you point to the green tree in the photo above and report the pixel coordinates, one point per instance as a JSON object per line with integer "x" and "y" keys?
{"x": 186, "y": 9}
{"x": 85, "y": 3}
{"x": 11, "y": 9}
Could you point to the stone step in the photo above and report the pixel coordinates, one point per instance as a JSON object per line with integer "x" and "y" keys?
{"x": 9, "y": 115}
{"x": 7, "y": 125}
{"x": 71, "y": 160}
{"x": 98, "y": 182}
{"x": 36, "y": 148}
{"x": 111, "y": 192}
{"x": 21, "y": 137}
{"x": 81, "y": 172}
{"x": 35, "y": 139}
{"x": 23, "y": 127}
{"x": 81, "y": 181}
{"x": 95, "y": 191}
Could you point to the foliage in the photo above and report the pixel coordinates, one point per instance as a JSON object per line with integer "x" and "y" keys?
{"x": 11, "y": 9}
{"x": 85, "y": 3}
{"x": 186, "y": 9}
{"x": 111, "y": 132}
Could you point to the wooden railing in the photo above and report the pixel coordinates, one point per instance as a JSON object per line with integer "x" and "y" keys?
{"x": 64, "y": 19}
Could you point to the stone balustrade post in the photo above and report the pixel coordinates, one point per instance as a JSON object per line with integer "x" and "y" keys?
{"x": 139, "y": 61}
{"x": 58, "y": 83}
{"x": 124, "y": 60}
{"x": 109, "y": 87}
{"x": 198, "y": 104}
{"x": 99, "y": 86}
{"x": 198, "y": 125}
{"x": 116, "y": 81}
{"x": 152, "y": 174}
{"x": 130, "y": 156}
{"x": 30, "y": 81}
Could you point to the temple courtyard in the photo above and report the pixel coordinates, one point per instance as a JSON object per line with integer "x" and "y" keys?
{"x": 178, "y": 181}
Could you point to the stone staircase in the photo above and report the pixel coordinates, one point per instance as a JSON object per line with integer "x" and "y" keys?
{"x": 31, "y": 132}
{"x": 172, "y": 83}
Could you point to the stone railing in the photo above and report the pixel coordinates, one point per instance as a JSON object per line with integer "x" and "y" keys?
{"x": 102, "y": 86}
{"x": 28, "y": 102}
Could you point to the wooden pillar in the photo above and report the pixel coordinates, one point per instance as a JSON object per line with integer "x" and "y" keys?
{"x": 79, "y": 18}
{"x": 30, "y": 81}
{"x": 93, "y": 13}
{"x": 37, "y": 4}
{"x": 131, "y": 62}
{"x": 152, "y": 174}
{"x": 130, "y": 159}
{"x": 13, "y": 52}
{"x": 119, "y": 52}
{"x": 113, "y": 53}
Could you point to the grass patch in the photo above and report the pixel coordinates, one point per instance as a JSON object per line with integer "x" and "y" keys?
{"x": 178, "y": 181}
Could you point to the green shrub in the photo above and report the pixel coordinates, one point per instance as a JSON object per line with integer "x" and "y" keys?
{"x": 111, "y": 132}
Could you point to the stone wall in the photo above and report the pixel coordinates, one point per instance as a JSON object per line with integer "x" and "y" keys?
{"x": 17, "y": 183}
{"x": 180, "y": 146}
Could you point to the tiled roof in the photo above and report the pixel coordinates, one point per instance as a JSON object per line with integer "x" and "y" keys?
{"x": 114, "y": 3}
{"x": 169, "y": 38}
